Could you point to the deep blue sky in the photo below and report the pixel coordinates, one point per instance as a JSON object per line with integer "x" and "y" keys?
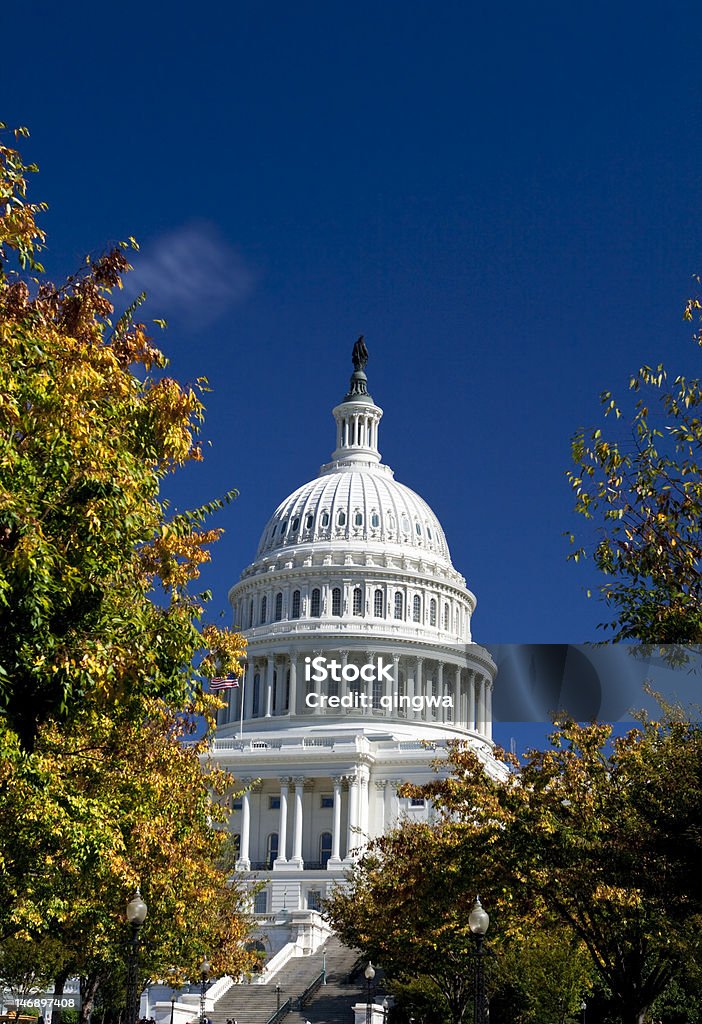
{"x": 504, "y": 198}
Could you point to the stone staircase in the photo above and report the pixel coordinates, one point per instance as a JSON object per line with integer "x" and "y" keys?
{"x": 255, "y": 1004}
{"x": 332, "y": 1003}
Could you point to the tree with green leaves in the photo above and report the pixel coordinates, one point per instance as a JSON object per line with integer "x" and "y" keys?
{"x": 407, "y": 908}
{"x": 594, "y": 842}
{"x": 640, "y": 482}
{"x": 94, "y": 573}
{"x": 102, "y": 648}
{"x": 605, "y": 834}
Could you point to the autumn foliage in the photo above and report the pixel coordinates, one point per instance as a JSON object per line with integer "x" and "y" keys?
{"x": 102, "y": 648}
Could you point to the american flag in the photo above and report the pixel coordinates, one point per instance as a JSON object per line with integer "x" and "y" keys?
{"x": 224, "y": 683}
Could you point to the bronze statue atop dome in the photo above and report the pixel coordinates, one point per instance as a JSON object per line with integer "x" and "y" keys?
{"x": 359, "y": 356}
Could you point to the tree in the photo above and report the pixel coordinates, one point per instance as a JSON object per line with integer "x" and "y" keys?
{"x": 407, "y": 907}
{"x": 606, "y": 835}
{"x": 643, "y": 486}
{"x": 111, "y": 806}
{"x": 87, "y": 433}
{"x": 102, "y": 651}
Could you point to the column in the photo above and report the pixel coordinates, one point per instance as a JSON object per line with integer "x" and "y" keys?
{"x": 292, "y": 703}
{"x": 488, "y": 709}
{"x": 390, "y": 692}
{"x": 395, "y": 801}
{"x": 335, "y": 858}
{"x": 471, "y": 700}
{"x": 419, "y": 687}
{"x": 249, "y": 696}
{"x": 283, "y": 826}
{"x": 296, "y": 859}
{"x": 268, "y": 701}
{"x": 245, "y": 684}
{"x": 380, "y": 787}
{"x": 343, "y": 685}
{"x": 440, "y": 711}
{"x": 480, "y": 704}
{"x": 363, "y": 804}
{"x": 244, "y": 862}
{"x": 351, "y": 833}
{"x": 456, "y": 695}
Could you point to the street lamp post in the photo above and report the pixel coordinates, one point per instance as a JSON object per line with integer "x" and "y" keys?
{"x": 369, "y": 974}
{"x": 205, "y": 968}
{"x": 386, "y": 1006}
{"x": 478, "y": 923}
{"x": 277, "y": 996}
{"x": 136, "y": 915}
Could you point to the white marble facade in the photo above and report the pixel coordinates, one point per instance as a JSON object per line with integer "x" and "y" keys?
{"x": 353, "y": 568}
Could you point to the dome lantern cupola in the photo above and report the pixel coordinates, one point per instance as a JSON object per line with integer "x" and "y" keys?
{"x": 357, "y": 417}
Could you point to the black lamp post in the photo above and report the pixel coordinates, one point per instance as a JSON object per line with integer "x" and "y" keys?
{"x": 136, "y": 915}
{"x": 478, "y": 923}
{"x": 277, "y": 996}
{"x": 369, "y": 974}
{"x": 205, "y": 968}
{"x": 386, "y": 1006}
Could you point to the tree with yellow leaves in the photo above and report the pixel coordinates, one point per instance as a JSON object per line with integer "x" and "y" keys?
{"x": 85, "y": 540}
{"x": 639, "y": 480}
{"x": 102, "y": 651}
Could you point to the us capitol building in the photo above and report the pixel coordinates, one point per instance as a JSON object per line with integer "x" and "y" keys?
{"x": 360, "y": 668}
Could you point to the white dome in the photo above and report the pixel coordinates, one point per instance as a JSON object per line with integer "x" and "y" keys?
{"x": 351, "y": 503}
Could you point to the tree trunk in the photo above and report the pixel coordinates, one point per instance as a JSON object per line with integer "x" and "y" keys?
{"x": 59, "y": 985}
{"x": 88, "y": 991}
{"x": 633, "y": 1015}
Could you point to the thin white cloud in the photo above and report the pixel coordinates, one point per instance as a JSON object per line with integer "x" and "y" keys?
{"x": 191, "y": 274}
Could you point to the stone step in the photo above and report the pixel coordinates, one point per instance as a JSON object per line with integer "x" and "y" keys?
{"x": 255, "y": 1004}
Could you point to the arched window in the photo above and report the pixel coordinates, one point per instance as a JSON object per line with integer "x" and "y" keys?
{"x": 417, "y": 608}
{"x": 336, "y": 601}
{"x": 295, "y": 614}
{"x": 283, "y": 527}
{"x": 399, "y": 606}
{"x": 432, "y": 612}
{"x": 255, "y": 709}
{"x": 264, "y": 609}
{"x": 378, "y": 604}
{"x": 358, "y": 519}
{"x": 341, "y": 518}
{"x": 375, "y": 520}
{"x": 278, "y": 607}
{"x": 271, "y": 849}
{"x": 309, "y": 522}
{"x": 325, "y": 848}
{"x": 447, "y": 617}
{"x": 357, "y": 601}
{"x": 418, "y": 529}
{"x": 391, "y": 521}
{"x": 405, "y": 524}
{"x": 325, "y": 519}
{"x": 429, "y": 532}
{"x": 315, "y": 603}
{"x": 295, "y": 524}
